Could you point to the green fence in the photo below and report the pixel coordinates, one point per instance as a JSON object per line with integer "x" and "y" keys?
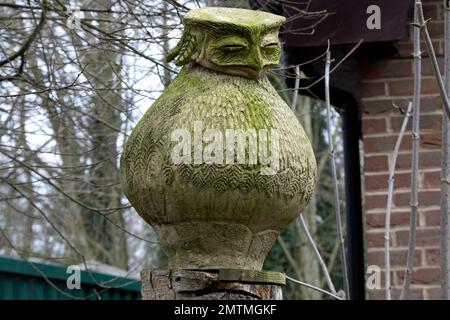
{"x": 22, "y": 280}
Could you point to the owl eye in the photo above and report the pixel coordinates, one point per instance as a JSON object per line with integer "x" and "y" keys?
{"x": 272, "y": 45}
{"x": 233, "y": 47}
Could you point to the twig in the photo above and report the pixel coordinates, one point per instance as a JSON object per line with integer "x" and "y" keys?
{"x": 297, "y": 85}
{"x": 347, "y": 55}
{"x": 313, "y": 287}
{"x": 421, "y": 24}
{"x": 22, "y": 50}
{"x": 334, "y": 175}
{"x": 317, "y": 253}
{"x": 67, "y": 195}
{"x": 415, "y": 153}
{"x": 289, "y": 256}
{"x": 302, "y": 220}
{"x": 387, "y": 226}
{"x": 445, "y": 174}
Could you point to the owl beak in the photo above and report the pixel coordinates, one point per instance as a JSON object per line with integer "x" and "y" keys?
{"x": 256, "y": 63}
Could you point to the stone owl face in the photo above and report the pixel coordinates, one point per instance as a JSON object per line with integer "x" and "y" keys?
{"x": 232, "y": 41}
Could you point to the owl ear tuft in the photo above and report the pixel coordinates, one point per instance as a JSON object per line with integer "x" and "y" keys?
{"x": 185, "y": 51}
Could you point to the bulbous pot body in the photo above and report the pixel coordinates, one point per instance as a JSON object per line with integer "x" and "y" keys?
{"x": 210, "y": 214}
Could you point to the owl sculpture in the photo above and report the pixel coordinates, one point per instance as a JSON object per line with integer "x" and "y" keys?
{"x": 219, "y": 164}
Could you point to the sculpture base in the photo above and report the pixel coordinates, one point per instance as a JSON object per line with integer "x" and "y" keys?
{"x": 214, "y": 245}
{"x": 224, "y": 284}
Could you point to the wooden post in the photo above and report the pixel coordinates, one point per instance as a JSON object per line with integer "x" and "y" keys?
{"x": 225, "y": 284}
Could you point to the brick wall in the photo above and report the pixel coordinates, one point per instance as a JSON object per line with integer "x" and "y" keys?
{"x": 385, "y": 82}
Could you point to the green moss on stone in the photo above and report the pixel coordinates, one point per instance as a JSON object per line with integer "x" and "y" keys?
{"x": 219, "y": 215}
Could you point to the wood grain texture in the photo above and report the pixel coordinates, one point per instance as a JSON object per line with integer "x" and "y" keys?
{"x": 164, "y": 284}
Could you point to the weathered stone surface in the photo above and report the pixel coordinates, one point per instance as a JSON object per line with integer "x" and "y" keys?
{"x": 219, "y": 215}
{"x": 161, "y": 284}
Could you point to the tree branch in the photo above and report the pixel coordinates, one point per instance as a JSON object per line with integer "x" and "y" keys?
{"x": 387, "y": 223}
{"x": 22, "y": 50}
{"x": 337, "y": 205}
{"x": 415, "y": 153}
{"x": 445, "y": 174}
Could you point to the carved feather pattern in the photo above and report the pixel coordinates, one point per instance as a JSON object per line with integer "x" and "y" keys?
{"x": 289, "y": 183}
{"x": 169, "y": 174}
{"x": 234, "y": 174}
{"x": 246, "y": 182}
{"x": 185, "y": 51}
{"x": 198, "y": 179}
{"x": 221, "y": 102}
{"x": 185, "y": 172}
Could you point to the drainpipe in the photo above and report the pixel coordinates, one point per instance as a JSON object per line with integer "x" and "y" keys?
{"x": 353, "y": 198}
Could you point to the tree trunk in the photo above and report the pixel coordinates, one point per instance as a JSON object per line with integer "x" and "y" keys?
{"x": 103, "y": 71}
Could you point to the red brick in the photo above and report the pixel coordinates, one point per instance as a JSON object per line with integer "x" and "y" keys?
{"x": 372, "y": 89}
{"x": 376, "y": 220}
{"x": 380, "y": 182}
{"x": 431, "y": 122}
{"x": 434, "y": 293}
{"x": 377, "y": 294}
{"x": 378, "y": 106}
{"x": 430, "y": 103}
{"x": 374, "y": 126}
{"x": 431, "y": 140}
{"x": 397, "y": 258}
{"x": 422, "y": 276}
{"x": 375, "y": 239}
{"x": 427, "y": 122}
{"x": 436, "y": 29}
{"x": 375, "y": 201}
{"x": 376, "y": 182}
{"x": 376, "y": 258}
{"x": 412, "y": 294}
{"x": 385, "y": 144}
{"x": 427, "y": 68}
{"x": 430, "y": 11}
{"x": 432, "y": 257}
{"x": 393, "y": 68}
{"x": 427, "y": 160}
{"x": 432, "y": 179}
{"x": 428, "y": 141}
{"x": 406, "y": 48}
{"x": 432, "y": 218}
{"x": 375, "y": 163}
{"x": 405, "y": 87}
{"x": 426, "y": 198}
{"x": 424, "y": 237}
